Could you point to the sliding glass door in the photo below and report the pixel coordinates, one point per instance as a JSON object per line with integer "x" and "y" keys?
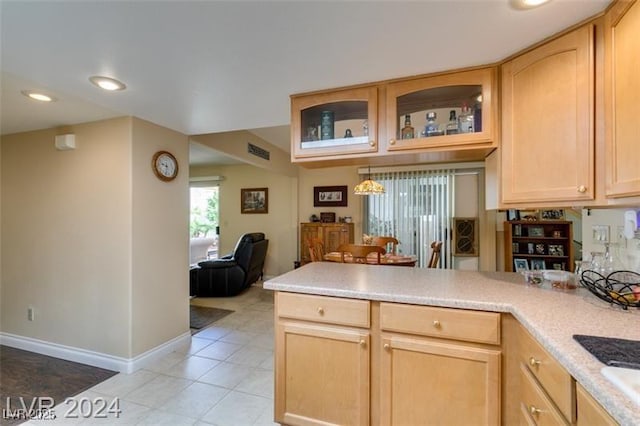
{"x": 417, "y": 209}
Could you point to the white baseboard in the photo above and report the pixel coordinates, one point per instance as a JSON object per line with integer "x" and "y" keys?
{"x": 96, "y": 359}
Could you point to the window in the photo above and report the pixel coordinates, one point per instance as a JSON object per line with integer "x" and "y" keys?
{"x": 417, "y": 209}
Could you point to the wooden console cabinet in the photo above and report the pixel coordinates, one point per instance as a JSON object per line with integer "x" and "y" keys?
{"x": 331, "y": 234}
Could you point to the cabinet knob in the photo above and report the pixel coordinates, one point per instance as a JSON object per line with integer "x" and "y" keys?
{"x": 372, "y": 143}
{"x": 392, "y": 141}
{"x": 534, "y": 410}
{"x": 534, "y": 362}
{"x": 386, "y": 346}
{"x": 321, "y": 310}
{"x": 363, "y": 343}
{"x": 582, "y": 189}
{"x": 436, "y": 324}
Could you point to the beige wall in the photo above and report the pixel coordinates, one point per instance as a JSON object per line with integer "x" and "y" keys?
{"x": 234, "y": 144}
{"x": 279, "y": 224}
{"x": 160, "y": 249}
{"x": 91, "y": 242}
{"x": 66, "y": 237}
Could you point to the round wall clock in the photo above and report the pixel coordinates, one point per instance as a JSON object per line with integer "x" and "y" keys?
{"x": 165, "y": 166}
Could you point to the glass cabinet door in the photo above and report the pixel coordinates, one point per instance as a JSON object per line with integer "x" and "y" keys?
{"x": 444, "y": 110}
{"x": 337, "y": 123}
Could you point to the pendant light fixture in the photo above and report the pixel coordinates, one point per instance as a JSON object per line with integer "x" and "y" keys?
{"x": 368, "y": 186}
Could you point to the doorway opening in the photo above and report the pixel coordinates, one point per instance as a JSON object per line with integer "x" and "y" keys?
{"x": 204, "y": 223}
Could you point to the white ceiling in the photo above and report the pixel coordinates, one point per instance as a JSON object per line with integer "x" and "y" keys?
{"x": 212, "y": 66}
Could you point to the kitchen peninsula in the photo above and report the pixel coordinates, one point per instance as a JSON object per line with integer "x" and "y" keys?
{"x": 380, "y": 318}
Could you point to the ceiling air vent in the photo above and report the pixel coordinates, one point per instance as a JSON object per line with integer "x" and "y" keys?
{"x": 257, "y": 151}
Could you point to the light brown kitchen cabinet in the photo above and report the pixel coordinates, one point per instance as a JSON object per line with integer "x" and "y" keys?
{"x": 331, "y": 234}
{"x": 322, "y": 360}
{"x": 355, "y": 125}
{"x": 590, "y": 413}
{"x": 547, "y": 391}
{"x": 434, "y": 106}
{"x": 547, "y": 145}
{"x": 427, "y": 381}
{"x": 336, "y": 123}
{"x": 622, "y": 92}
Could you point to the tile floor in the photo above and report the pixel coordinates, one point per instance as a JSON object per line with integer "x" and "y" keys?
{"x": 224, "y": 377}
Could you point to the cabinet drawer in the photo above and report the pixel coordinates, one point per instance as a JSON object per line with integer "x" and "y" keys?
{"x": 535, "y": 406}
{"x": 331, "y": 310}
{"x": 457, "y": 324}
{"x": 555, "y": 380}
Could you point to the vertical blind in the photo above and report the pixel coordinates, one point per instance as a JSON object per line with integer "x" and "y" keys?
{"x": 417, "y": 209}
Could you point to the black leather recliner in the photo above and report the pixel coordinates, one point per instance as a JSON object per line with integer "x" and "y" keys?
{"x": 231, "y": 274}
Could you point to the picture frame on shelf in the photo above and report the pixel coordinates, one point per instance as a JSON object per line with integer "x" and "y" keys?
{"x": 529, "y": 215}
{"x": 513, "y": 214}
{"x": 520, "y": 265}
{"x": 538, "y": 264}
{"x": 539, "y": 248}
{"x": 327, "y": 217}
{"x": 330, "y": 196}
{"x": 535, "y": 231}
{"x": 254, "y": 200}
{"x": 556, "y": 250}
{"x": 557, "y": 214}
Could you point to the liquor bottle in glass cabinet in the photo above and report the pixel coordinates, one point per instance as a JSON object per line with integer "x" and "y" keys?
{"x": 465, "y": 120}
{"x": 452, "y": 125}
{"x": 407, "y": 131}
{"x": 432, "y": 128}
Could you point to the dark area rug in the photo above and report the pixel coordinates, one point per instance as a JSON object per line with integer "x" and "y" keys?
{"x": 30, "y": 375}
{"x": 201, "y": 316}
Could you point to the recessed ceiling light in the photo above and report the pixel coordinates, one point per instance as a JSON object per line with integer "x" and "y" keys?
{"x": 527, "y": 4}
{"x": 37, "y": 96}
{"x": 107, "y": 83}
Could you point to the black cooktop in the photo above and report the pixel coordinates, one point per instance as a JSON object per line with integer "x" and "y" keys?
{"x": 612, "y": 351}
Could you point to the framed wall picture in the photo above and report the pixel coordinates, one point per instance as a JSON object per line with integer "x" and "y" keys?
{"x": 520, "y": 265}
{"x": 552, "y": 214}
{"x": 330, "y": 196}
{"x": 254, "y": 200}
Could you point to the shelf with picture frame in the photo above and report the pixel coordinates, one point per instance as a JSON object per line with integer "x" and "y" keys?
{"x": 543, "y": 244}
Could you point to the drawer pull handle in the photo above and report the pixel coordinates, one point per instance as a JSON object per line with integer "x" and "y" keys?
{"x": 321, "y": 310}
{"x": 534, "y": 362}
{"x": 534, "y": 411}
{"x": 363, "y": 343}
{"x": 386, "y": 346}
{"x": 436, "y": 324}
{"x": 392, "y": 142}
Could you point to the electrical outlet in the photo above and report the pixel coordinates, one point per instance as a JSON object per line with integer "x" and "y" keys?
{"x": 600, "y": 233}
{"x": 30, "y": 314}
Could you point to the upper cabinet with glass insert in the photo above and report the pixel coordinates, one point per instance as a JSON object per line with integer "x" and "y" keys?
{"x": 447, "y": 110}
{"x": 337, "y": 123}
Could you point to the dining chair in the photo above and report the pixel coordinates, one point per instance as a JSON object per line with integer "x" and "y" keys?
{"x": 385, "y": 242}
{"x": 435, "y": 254}
{"x": 316, "y": 249}
{"x": 360, "y": 252}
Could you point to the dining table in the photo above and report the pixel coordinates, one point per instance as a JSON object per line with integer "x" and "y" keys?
{"x": 388, "y": 259}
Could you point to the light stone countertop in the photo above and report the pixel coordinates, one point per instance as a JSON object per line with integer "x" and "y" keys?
{"x": 551, "y": 316}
